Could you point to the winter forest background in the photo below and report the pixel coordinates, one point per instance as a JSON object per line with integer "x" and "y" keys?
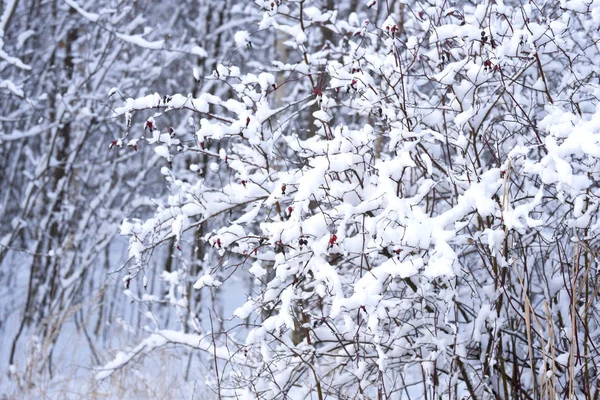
{"x": 300, "y": 199}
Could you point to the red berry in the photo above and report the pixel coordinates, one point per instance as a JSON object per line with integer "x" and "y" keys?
{"x": 333, "y": 239}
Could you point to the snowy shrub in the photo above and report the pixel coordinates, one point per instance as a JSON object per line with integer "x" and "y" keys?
{"x": 410, "y": 187}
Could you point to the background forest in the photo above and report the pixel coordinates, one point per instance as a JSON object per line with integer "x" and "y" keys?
{"x": 294, "y": 199}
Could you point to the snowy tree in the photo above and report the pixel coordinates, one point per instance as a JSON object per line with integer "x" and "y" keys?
{"x": 65, "y": 190}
